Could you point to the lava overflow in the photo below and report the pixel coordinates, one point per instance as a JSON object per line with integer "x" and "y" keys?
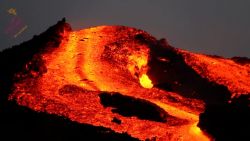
{"x": 100, "y": 76}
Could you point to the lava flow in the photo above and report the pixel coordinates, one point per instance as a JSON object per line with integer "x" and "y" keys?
{"x": 114, "y": 77}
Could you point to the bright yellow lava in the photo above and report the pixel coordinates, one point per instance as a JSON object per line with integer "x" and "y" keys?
{"x": 145, "y": 81}
{"x": 197, "y": 134}
{"x": 190, "y": 132}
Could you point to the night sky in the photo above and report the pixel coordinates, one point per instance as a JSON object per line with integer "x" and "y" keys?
{"x": 219, "y": 27}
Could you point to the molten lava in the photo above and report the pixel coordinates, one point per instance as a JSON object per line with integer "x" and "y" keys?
{"x": 145, "y": 81}
{"x": 91, "y": 64}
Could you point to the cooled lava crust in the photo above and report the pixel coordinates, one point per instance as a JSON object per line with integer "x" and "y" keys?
{"x": 120, "y": 83}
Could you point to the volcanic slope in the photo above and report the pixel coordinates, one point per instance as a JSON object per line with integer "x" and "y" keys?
{"x": 126, "y": 84}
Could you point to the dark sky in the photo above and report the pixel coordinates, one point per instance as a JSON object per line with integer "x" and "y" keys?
{"x": 219, "y": 27}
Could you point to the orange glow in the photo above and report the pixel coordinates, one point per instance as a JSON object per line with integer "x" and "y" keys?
{"x": 222, "y": 71}
{"x": 99, "y": 59}
{"x": 137, "y": 62}
{"x": 197, "y": 133}
{"x": 145, "y": 81}
{"x": 190, "y": 131}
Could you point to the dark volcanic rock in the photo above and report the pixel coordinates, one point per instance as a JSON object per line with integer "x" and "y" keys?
{"x": 129, "y": 106}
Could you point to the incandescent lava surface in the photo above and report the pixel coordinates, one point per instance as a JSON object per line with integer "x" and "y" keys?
{"x": 126, "y": 81}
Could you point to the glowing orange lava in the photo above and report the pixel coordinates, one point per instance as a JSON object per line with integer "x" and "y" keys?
{"x": 106, "y": 59}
